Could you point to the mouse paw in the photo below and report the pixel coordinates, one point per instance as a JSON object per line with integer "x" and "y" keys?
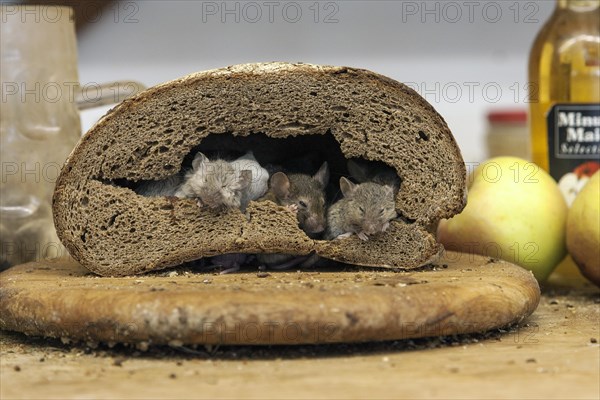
{"x": 362, "y": 236}
{"x": 385, "y": 227}
{"x": 344, "y": 236}
{"x": 292, "y": 207}
{"x": 199, "y": 203}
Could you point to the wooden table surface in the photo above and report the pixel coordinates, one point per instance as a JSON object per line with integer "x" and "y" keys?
{"x": 554, "y": 354}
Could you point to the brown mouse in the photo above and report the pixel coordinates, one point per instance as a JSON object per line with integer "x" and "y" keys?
{"x": 304, "y": 194}
{"x": 365, "y": 210}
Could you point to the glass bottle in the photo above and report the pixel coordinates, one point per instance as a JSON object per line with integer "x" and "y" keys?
{"x": 564, "y": 79}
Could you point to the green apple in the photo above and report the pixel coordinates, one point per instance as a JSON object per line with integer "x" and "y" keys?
{"x": 515, "y": 211}
{"x": 583, "y": 229}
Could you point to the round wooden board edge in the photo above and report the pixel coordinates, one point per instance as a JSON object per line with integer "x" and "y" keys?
{"x": 460, "y": 294}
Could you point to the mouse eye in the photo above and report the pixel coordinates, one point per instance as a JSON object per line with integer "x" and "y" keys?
{"x": 362, "y": 210}
{"x": 302, "y": 204}
{"x": 381, "y": 211}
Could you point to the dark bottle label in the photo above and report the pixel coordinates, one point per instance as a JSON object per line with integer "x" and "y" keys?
{"x": 574, "y": 140}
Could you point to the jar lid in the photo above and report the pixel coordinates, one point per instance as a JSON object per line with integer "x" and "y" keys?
{"x": 507, "y": 116}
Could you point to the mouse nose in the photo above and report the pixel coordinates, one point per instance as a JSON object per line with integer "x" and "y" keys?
{"x": 315, "y": 225}
{"x": 369, "y": 229}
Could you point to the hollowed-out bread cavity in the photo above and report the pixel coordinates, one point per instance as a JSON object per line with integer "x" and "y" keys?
{"x": 277, "y": 110}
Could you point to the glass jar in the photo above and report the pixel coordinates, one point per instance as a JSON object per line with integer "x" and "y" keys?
{"x": 40, "y": 124}
{"x": 39, "y": 127}
{"x": 507, "y": 134}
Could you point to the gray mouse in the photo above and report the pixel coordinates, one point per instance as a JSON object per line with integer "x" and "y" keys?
{"x": 230, "y": 184}
{"x": 163, "y": 187}
{"x": 366, "y": 209}
{"x": 304, "y": 194}
{"x": 259, "y": 182}
{"x": 215, "y": 183}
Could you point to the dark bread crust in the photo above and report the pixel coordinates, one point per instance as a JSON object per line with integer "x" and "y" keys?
{"x": 112, "y": 231}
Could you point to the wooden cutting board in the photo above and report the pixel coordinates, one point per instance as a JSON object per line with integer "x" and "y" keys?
{"x": 460, "y": 294}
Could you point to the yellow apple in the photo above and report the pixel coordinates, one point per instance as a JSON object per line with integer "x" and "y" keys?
{"x": 515, "y": 211}
{"x": 583, "y": 229}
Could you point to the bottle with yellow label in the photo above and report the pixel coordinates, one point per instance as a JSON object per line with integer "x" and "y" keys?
{"x": 564, "y": 90}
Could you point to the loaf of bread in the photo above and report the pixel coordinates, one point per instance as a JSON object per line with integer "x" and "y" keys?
{"x": 279, "y": 111}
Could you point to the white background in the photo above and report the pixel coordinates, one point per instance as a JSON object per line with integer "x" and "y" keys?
{"x": 464, "y": 57}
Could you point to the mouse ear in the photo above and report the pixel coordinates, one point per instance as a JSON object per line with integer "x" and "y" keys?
{"x": 280, "y": 184}
{"x": 322, "y": 175}
{"x": 347, "y": 187}
{"x": 357, "y": 171}
{"x": 389, "y": 190}
{"x": 199, "y": 159}
{"x": 245, "y": 178}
